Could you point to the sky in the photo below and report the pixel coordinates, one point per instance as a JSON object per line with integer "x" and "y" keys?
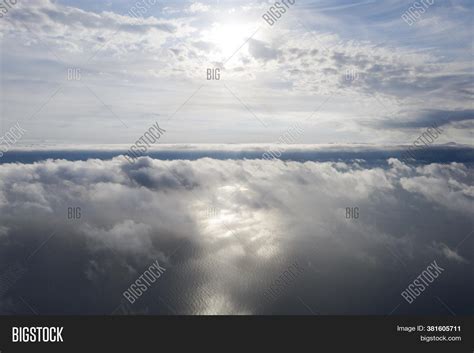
{"x": 254, "y": 172}
{"x": 88, "y": 72}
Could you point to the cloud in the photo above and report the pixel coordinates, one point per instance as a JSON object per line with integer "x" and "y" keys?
{"x": 449, "y": 253}
{"x": 397, "y": 71}
{"x": 224, "y": 229}
{"x": 68, "y": 30}
{"x": 433, "y": 183}
{"x": 48, "y": 17}
{"x": 198, "y": 7}
{"x": 427, "y": 118}
{"x": 259, "y": 50}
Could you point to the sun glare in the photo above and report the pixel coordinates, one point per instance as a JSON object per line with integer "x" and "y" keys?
{"x": 226, "y": 38}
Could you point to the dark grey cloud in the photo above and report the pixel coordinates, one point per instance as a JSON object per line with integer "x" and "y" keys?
{"x": 428, "y": 118}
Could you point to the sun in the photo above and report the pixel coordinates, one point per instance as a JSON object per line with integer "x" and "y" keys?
{"x": 226, "y": 38}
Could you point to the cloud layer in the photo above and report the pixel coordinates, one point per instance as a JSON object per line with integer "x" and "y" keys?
{"x": 226, "y": 229}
